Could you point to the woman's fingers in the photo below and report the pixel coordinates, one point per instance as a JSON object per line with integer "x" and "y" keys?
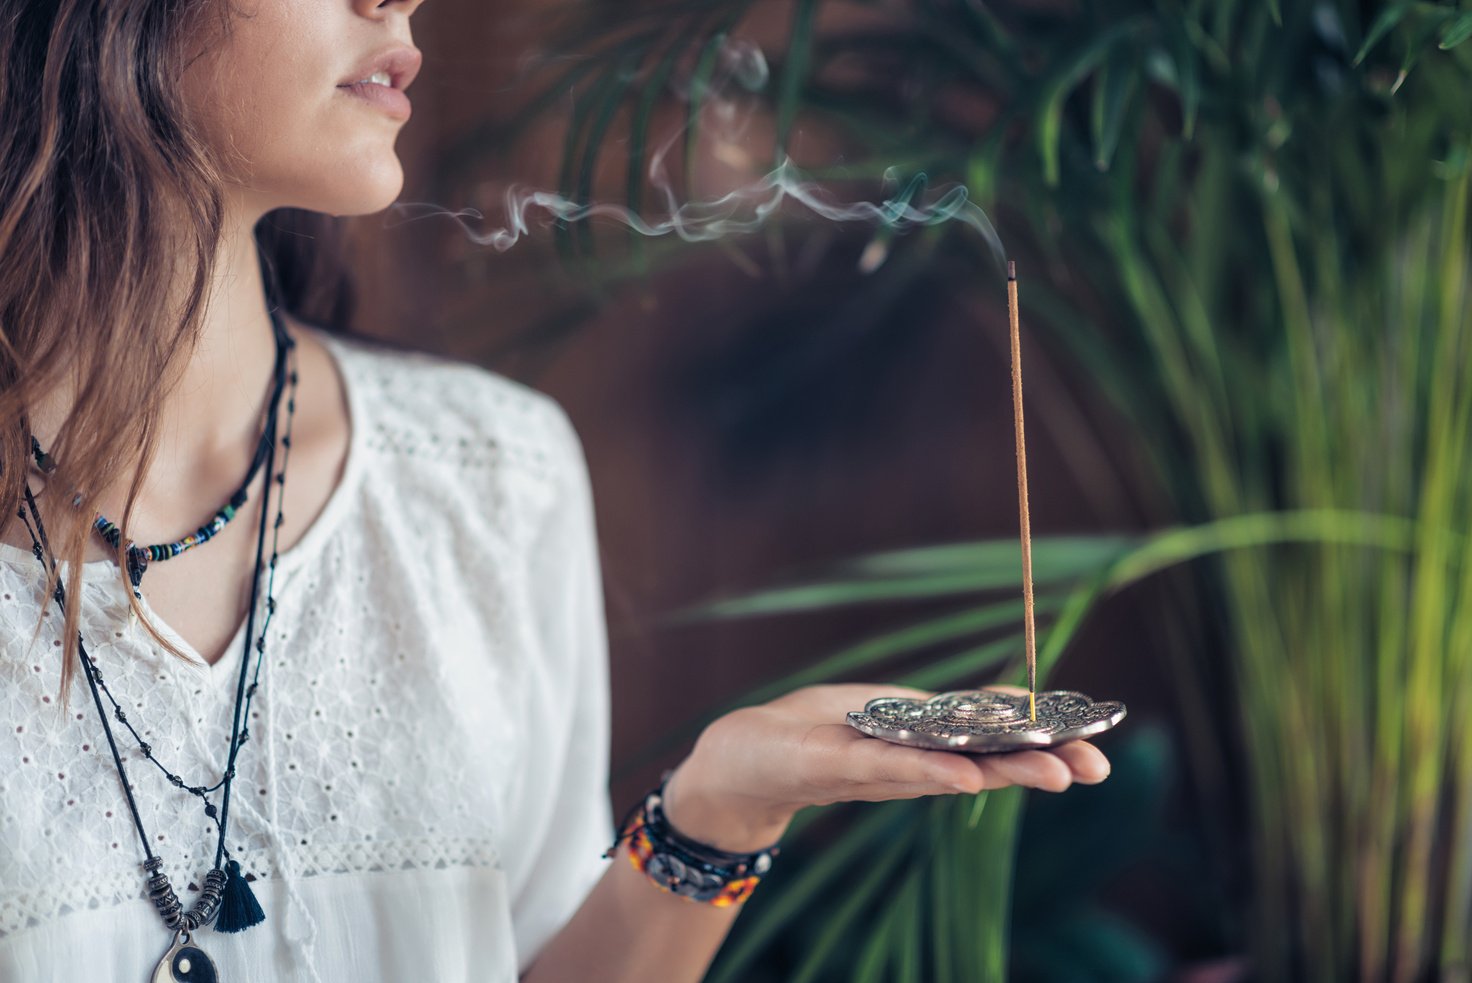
{"x": 867, "y": 768}
{"x": 834, "y": 762}
{"x": 963, "y": 773}
{"x": 1035, "y": 769}
{"x": 1088, "y": 763}
{"x": 878, "y": 769}
{"x": 1052, "y": 769}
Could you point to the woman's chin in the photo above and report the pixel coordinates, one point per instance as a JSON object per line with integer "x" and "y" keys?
{"x": 363, "y": 196}
{"x": 364, "y": 184}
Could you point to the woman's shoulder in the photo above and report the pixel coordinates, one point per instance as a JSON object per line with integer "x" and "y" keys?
{"x": 414, "y": 381}
{"x": 417, "y": 401}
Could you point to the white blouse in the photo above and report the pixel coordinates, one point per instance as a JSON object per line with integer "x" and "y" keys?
{"x": 424, "y": 794}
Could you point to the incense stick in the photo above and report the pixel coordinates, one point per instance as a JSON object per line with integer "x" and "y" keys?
{"x": 1029, "y": 629}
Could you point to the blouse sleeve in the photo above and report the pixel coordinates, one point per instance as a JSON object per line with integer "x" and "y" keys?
{"x": 562, "y": 814}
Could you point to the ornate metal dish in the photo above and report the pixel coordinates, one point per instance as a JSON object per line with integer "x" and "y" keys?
{"x": 985, "y": 721}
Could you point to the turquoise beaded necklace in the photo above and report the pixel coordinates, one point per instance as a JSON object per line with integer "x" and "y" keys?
{"x": 140, "y": 556}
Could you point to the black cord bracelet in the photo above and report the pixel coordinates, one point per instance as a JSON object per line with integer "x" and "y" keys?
{"x": 686, "y": 867}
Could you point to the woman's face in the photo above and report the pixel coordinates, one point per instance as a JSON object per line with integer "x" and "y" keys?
{"x": 269, "y": 96}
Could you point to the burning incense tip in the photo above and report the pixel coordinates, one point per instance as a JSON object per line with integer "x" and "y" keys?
{"x": 1011, "y": 270}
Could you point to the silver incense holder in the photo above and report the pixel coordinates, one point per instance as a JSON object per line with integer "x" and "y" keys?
{"x": 986, "y": 721}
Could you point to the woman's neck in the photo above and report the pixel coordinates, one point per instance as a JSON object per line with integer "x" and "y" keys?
{"x": 209, "y": 421}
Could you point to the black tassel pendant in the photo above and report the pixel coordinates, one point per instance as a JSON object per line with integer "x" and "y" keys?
{"x": 239, "y": 909}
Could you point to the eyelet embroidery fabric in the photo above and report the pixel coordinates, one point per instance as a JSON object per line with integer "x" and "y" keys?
{"x": 431, "y": 732}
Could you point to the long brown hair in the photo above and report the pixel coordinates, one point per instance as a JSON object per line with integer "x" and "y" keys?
{"x": 108, "y": 198}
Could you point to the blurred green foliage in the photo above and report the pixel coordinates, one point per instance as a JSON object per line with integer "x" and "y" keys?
{"x": 1247, "y": 222}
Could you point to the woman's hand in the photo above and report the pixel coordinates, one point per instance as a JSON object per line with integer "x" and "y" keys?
{"x": 754, "y": 768}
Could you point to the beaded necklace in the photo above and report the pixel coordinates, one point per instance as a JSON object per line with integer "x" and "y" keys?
{"x": 225, "y": 897}
{"x": 138, "y": 557}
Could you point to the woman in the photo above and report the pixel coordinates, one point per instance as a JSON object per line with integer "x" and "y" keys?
{"x": 364, "y": 723}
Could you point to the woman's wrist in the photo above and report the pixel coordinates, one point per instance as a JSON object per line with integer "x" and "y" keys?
{"x": 697, "y": 809}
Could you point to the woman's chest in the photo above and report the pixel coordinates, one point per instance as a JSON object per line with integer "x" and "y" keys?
{"x": 383, "y": 733}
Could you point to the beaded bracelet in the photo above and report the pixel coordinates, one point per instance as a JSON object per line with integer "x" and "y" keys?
{"x": 679, "y": 865}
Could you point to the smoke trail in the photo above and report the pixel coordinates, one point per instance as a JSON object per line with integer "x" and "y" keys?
{"x": 740, "y": 65}
{"x": 740, "y": 211}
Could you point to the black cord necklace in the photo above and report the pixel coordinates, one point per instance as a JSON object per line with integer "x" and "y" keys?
{"x": 138, "y": 557}
{"x": 225, "y": 898}
{"x": 281, "y": 376}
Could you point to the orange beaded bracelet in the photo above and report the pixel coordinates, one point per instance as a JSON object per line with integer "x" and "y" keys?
{"x": 682, "y": 866}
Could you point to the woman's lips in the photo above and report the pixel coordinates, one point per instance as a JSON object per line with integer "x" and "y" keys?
{"x": 392, "y": 101}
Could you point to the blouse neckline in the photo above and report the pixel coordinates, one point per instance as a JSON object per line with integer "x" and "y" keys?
{"x": 321, "y": 528}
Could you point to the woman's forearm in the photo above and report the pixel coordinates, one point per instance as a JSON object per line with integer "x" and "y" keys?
{"x": 628, "y": 929}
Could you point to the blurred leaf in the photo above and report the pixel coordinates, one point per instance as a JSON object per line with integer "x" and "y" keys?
{"x": 878, "y": 872}
{"x": 1383, "y": 25}
{"x": 653, "y": 90}
{"x": 795, "y": 71}
{"x": 932, "y": 571}
{"x": 699, "y": 88}
{"x": 599, "y": 125}
{"x": 964, "y": 668}
{"x": 1456, "y": 30}
{"x": 1113, "y": 87}
{"x": 907, "y": 954}
{"x": 886, "y": 941}
{"x": 809, "y": 597}
{"x": 981, "y": 172}
{"x": 583, "y": 111}
{"x": 1351, "y": 528}
{"x": 769, "y": 911}
{"x": 906, "y": 641}
{"x": 1053, "y": 558}
{"x": 1188, "y": 77}
{"x": 1419, "y": 42}
{"x": 988, "y": 863}
{"x": 994, "y": 34}
{"x": 1065, "y": 79}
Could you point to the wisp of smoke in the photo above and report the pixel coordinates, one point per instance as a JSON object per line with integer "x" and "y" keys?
{"x": 741, "y": 65}
{"x": 743, "y": 210}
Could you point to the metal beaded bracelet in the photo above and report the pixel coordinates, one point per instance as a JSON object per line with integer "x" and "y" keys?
{"x": 677, "y": 864}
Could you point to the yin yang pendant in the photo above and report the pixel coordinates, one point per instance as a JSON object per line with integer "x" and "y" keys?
{"x": 184, "y": 963}
{"x": 986, "y": 721}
